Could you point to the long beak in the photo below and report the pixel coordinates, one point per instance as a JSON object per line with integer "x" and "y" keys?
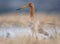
{"x": 18, "y": 9}
{"x": 23, "y": 7}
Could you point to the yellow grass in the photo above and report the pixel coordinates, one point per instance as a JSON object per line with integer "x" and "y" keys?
{"x": 25, "y": 20}
{"x": 29, "y": 40}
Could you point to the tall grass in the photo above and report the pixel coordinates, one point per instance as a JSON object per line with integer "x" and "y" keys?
{"x": 38, "y": 25}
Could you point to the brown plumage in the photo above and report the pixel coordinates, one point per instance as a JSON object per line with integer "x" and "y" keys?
{"x": 31, "y": 5}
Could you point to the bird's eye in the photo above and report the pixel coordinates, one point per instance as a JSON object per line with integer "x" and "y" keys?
{"x": 30, "y": 5}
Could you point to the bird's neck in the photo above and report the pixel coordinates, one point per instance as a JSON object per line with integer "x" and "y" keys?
{"x": 32, "y": 11}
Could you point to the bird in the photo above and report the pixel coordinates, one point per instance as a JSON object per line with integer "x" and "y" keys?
{"x": 31, "y": 6}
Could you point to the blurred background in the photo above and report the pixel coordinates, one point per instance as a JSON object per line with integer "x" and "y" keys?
{"x": 48, "y": 6}
{"x": 17, "y": 27}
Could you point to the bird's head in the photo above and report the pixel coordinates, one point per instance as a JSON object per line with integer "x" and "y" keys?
{"x": 26, "y": 6}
